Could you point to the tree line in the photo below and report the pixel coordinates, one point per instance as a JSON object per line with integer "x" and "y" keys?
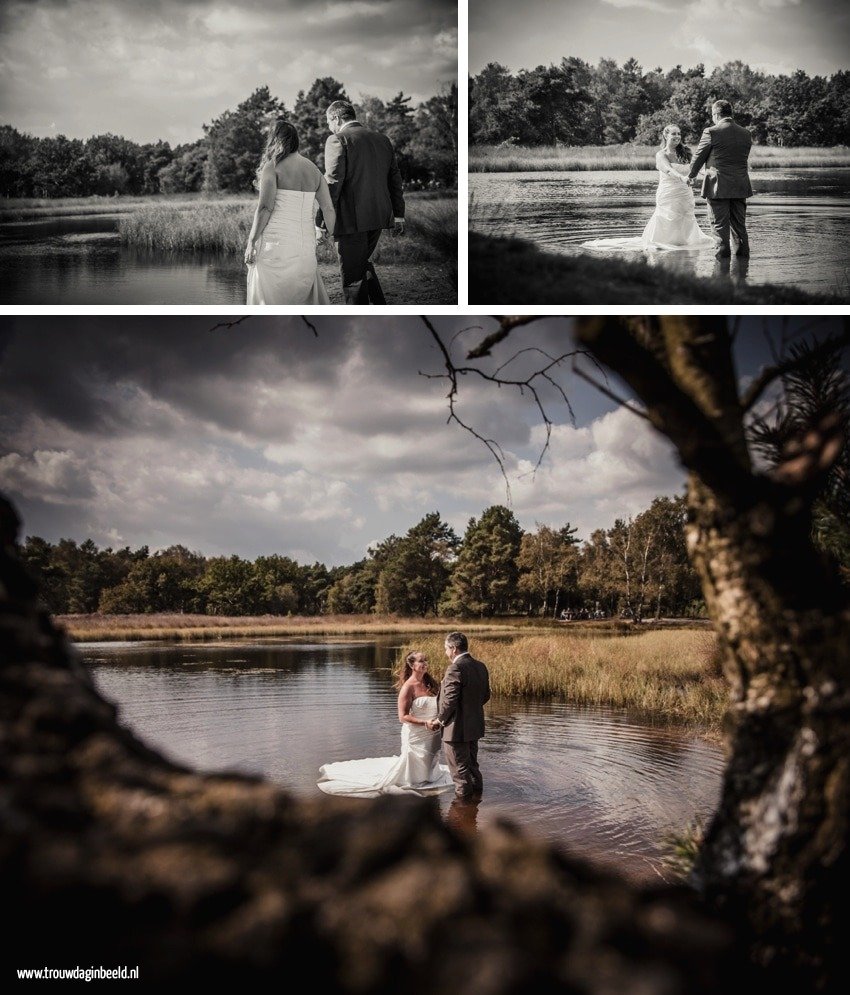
{"x": 576, "y": 103}
{"x": 226, "y": 158}
{"x": 637, "y": 567}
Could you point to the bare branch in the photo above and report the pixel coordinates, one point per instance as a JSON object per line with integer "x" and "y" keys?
{"x": 527, "y": 385}
{"x": 451, "y": 375}
{"x": 245, "y": 317}
{"x": 506, "y": 325}
{"x": 231, "y": 324}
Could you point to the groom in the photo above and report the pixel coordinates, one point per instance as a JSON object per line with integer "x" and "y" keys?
{"x": 460, "y": 715}
{"x": 366, "y": 189}
{"x": 726, "y": 184}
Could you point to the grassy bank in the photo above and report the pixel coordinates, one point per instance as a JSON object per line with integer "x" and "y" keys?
{"x": 672, "y": 674}
{"x": 110, "y": 628}
{"x": 223, "y": 225}
{"x": 511, "y": 271}
{"x": 521, "y": 158}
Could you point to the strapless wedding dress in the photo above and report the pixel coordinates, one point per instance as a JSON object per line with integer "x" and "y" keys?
{"x": 417, "y": 771}
{"x": 673, "y": 225}
{"x": 285, "y": 270}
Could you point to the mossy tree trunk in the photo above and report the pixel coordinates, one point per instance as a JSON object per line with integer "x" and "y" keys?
{"x": 775, "y": 856}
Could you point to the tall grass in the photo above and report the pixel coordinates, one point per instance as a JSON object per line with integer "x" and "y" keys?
{"x": 668, "y": 673}
{"x": 222, "y": 226}
{"x": 522, "y": 158}
{"x": 32, "y": 208}
{"x": 164, "y": 625}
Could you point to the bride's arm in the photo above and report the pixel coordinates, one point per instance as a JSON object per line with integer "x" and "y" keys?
{"x": 663, "y": 166}
{"x": 405, "y": 700}
{"x": 265, "y": 206}
{"x": 326, "y": 204}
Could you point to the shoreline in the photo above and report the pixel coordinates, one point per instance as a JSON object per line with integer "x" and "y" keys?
{"x": 513, "y": 271}
{"x": 621, "y": 158}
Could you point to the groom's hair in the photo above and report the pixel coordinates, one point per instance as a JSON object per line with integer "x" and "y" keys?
{"x": 458, "y": 642}
{"x": 342, "y": 109}
{"x": 722, "y": 107}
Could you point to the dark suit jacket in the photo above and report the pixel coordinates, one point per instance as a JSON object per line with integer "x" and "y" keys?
{"x": 364, "y": 181}
{"x": 724, "y": 149}
{"x": 461, "y": 699}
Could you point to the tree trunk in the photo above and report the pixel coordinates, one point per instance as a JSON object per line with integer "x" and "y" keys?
{"x": 776, "y": 850}
{"x": 775, "y": 856}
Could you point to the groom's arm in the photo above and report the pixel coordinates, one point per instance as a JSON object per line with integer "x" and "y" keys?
{"x": 449, "y": 694}
{"x": 334, "y": 166}
{"x": 703, "y": 151}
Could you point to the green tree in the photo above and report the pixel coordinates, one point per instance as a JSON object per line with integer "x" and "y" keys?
{"x": 231, "y": 586}
{"x": 415, "y": 572}
{"x": 235, "y": 142}
{"x": 485, "y": 573}
{"x": 547, "y": 563}
{"x": 310, "y": 116}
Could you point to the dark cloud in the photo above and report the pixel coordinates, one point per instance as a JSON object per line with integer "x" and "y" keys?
{"x": 162, "y": 69}
{"x": 263, "y": 438}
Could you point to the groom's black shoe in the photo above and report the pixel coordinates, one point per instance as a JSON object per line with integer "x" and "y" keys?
{"x": 743, "y": 250}
{"x": 723, "y": 253}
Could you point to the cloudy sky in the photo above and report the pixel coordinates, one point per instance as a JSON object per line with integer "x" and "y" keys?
{"x": 149, "y": 69}
{"x": 777, "y": 36}
{"x": 263, "y": 438}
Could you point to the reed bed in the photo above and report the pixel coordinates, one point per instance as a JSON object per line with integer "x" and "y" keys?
{"x": 521, "y": 159}
{"x": 669, "y": 673}
{"x": 32, "y": 208}
{"x": 222, "y": 226}
{"x": 111, "y": 628}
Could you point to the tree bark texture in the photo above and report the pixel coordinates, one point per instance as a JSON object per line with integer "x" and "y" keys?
{"x": 775, "y": 857}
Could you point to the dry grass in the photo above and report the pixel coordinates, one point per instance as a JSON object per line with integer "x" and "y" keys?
{"x": 521, "y": 158}
{"x": 222, "y": 226}
{"x": 110, "y": 628}
{"x": 670, "y": 673}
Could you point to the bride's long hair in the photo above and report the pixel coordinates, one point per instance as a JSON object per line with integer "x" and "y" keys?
{"x": 683, "y": 153}
{"x": 405, "y": 669}
{"x": 281, "y": 140}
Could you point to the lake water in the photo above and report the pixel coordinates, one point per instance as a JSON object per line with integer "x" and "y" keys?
{"x": 80, "y": 260}
{"x": 799, "y": 220}
{"x": 599, "y": 781}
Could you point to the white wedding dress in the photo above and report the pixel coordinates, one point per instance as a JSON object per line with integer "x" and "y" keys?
{"x": 285, "y": 270}
{"x": 673, "y": 225}
{"x": 417, "y": 771}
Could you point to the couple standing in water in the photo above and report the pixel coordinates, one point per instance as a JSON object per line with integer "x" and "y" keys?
{"x": 724, "y": 150}
{"x": 450, "y": 714}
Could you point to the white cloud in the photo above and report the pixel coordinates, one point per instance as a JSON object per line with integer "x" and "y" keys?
{"x": 51, "y": 475}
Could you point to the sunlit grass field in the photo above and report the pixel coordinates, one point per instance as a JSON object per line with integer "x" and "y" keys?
{"x": 544, "y": 158}
{"x": 670, "y": 673}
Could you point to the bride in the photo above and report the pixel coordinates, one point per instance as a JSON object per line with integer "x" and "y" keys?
{"x": 674, "y": 224}
{"x": 281, "y": 252}
{"x": 417, "y": 770}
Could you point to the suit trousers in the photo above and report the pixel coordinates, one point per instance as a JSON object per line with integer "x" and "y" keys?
{"x": 729, "y": 213}
{"x": 462, "y": 759}
{"x": 359, "y": 280}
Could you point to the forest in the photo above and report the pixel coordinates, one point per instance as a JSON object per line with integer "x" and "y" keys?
{"x": 576, "y": 103}
{"x": 637, "y": 567}
{"x": 225, "y": 159}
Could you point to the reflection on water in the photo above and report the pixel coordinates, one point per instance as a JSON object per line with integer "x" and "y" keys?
{"x": 798, "y": 220}
{"x": 594, "y": 779}
{"x": 79, "y": 260}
